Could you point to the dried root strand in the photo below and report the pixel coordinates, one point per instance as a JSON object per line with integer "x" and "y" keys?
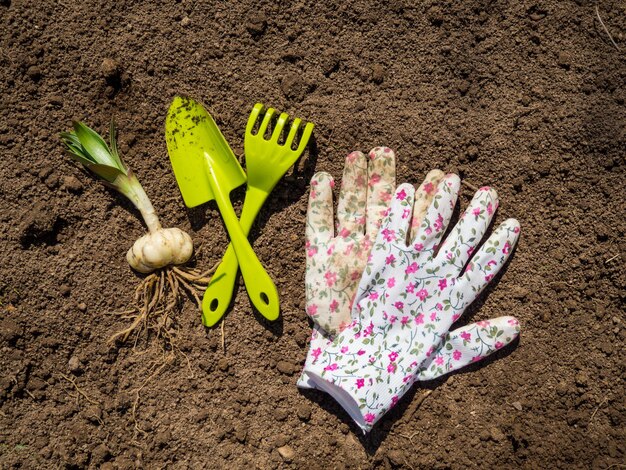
{"x": 153, "y": 371}
{"x": 158, "y": 296}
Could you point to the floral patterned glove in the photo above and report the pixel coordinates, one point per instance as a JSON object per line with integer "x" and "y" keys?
{"x": 334, "y": 264}
{"x": 332, "y": 307}
{"x": 409, "y": 297}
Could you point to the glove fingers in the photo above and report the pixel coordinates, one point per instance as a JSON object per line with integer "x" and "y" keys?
{"x": 469, "y": 344}
{"x": 469, "y": 231}
{"x": 488, "y": 261}
{"x": 429, "y": 233}
{"x": 395, "y": 227}
{"x": 352, "y": 197}
{"x": 394, "y": 230}
{"x": 423, "y": 198}
{"x": 319, "y": 224}
{"x": 381, "y": 185}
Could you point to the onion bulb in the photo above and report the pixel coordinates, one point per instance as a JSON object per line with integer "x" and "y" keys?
{"x": 159, "y": 249}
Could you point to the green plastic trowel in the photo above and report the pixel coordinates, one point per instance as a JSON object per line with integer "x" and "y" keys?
{"x": 206, "y": 169}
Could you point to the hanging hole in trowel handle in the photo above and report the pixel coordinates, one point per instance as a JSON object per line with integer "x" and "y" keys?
{"x": 263, "y": 293}
{"x": 214, "y": 304}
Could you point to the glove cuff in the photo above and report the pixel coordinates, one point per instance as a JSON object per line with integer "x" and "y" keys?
{"x": 305, "y": 383}
{"x": 366, "y": 397}
{"x": 344, "y": 398}
{"x": 365, "y": 418}
{"x": 319, "y": 341}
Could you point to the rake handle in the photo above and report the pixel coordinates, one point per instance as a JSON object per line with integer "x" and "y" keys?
{"x": 218, "y": 294}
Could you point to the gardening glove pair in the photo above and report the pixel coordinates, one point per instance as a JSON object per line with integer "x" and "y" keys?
{"x": 335, "y": 263}
{"x": 409, "y": 296}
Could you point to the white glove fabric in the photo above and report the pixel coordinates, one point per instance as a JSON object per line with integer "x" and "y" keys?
{"x": 409, "y": 296}
{"x": 335, "y": 259}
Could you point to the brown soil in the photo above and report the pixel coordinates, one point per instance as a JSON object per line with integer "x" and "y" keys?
{"x": 525, "y": 96}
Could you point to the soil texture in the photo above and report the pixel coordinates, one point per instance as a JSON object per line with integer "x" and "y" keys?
{"x": 526, "y": 96}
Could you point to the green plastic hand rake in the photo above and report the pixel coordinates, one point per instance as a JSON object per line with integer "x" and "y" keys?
{"x": 266, "y": 163}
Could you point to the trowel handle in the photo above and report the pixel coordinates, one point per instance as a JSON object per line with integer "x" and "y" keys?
{"x": 219, "y": 292}
{"x": 260, "y": 287}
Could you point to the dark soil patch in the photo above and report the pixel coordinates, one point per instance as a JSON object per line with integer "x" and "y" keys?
{"x": 525, "y": 96}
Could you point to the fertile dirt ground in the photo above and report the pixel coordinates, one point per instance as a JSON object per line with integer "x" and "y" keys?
{"x": 525, "y": 96}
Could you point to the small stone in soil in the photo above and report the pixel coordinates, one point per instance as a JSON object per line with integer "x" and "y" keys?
{"x": 280, "y": 414}
{"x": 378, "y": 74}
{"x": 293, "y": 87}
{"x": 52, "y": 181}
{"x": 74, "y": 365}
{"x": 606, "y": 347}
{"x": 72, "y": 184}
{"x": 304, "y": 412}
{"x": 100, "y": 454}
{"x": 281, "y": 440}
{"x": 9, "y": 330}
{"x": 520, "y": 293}
{"x": 223, "y": 364}
{"x": 472, "y": 152}
{"x": 329, "y": 64}
{"x": 564, "y": 60}
{"x": 123, "y": 402}
{"x": 256, "y": 24}
{"x": 396, "y": 458}
{"x": 287, "y": 453}
{"x": 38, "y": 222}
{"x": 435, "y": 15}
{"x": 562, "y": 388}
{"x": 284, "y": 367}
{"x": 162, "y": 438}
{"x": 241, "y": 433}
{"x": 93, "y": 414}
{"x": 496, "y": 434}
{"x": 581, "y": 379}
{"x": 202, "y": 416}
{"x": 34, "y": 72}
{"x": 110, "y": 69}
{"x": 464, "y": 87}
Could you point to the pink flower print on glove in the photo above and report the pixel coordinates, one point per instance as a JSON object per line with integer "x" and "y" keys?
{"x": 334, "y": 263}
{"x": 396, "y": 356}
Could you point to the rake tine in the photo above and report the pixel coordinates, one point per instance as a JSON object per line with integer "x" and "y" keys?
{"x": 266, "y": 121}
{"x": 278, "y": 128}
{"x": 292, "y": 132}
{"x": 306, "y": 135}
{"x": 254, "y": 114}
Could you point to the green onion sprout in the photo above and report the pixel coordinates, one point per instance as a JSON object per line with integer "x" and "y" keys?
{"x": 159, "y": 252}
